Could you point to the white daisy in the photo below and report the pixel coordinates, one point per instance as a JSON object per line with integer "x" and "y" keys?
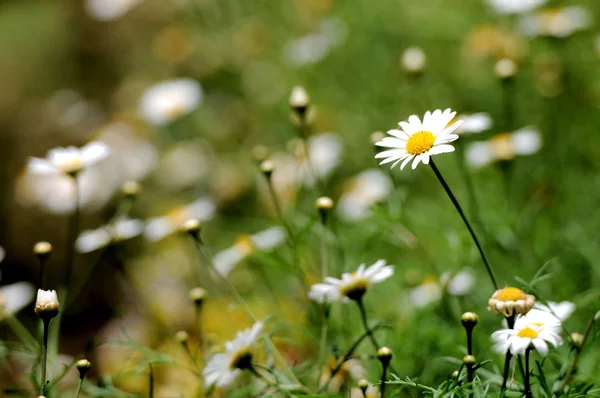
{"x": 551, "y": 315}
{"x": 505, "y": 146}
{"x": 159, "y": 227}
{"x": 511, "y": 301}
{"x": 515, "y": 6}
{"x": 70, "y": 160}
{"x": 474, "y": 123}
{"x": 118, "y": 231}
{"x": 169, "y": 100}
{"x": 224, "y": 368}
{"x": 353, "y": 285}
{"x": 361, "y": 192}
{"x": 14, "y": 298}
{"x": 432, "y": 289}
{"x": 556, "y": 22}
{"x": 526, "y": 334}
{"x": 419, "y": 140}
{"x": 245, "y": 245}
{"x": 108, "y": 10}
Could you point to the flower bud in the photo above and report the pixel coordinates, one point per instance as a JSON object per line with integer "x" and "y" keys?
{"x": 505, "y": 68}
{"x": 131, "y": 189}
{"x": 42, "y": 250}
{"x": 577, "y": 339}
{"x": 83, "y": 365}
{"x": 46, "y": 305}
{"x": 182, "y": 337}
{"x": 324, "y": 205}
{"x": 455, "y": 374}
{"x": 384, "y": 354}
{"x": 413, "y": 60}
{"x": 299, "y": 100}
{"x": 197, "y": 295}
{"x": 267, "y": 167}
{"x": 469, "y": 360}
{"x": 469, "y": 319}
{"x": 363, "y": 385}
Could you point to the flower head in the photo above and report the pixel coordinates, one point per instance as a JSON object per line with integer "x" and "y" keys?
{"x": 120, "y": 230}
{"x": 353, "y": 285}
{"x": 363, "y": 191}
{"x": 474, "y": 123}
{"x": 70, "y": 160}
{"x": 432, "y": 288}
{"x": 515, "y": 6}
{"x": 108, "y": 10}
{"x": 505, "y": 146}
{"x": 159, "y": 227}
{"x": 510, "y": 301}
{"x": 224, "y": 368}
{"x": 556, "y": 22}
{"x": 525, "y": 334}
{"x": 169, "y": 100}
{"x": 14, "y": 297}
{"x": 419, "y": 140}
{"x": 46, "y": 305}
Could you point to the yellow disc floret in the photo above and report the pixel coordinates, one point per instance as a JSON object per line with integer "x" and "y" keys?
{"x": 528, "y": 332}
{"x": 510, "y": 294}
{"x": 420, "y": 142}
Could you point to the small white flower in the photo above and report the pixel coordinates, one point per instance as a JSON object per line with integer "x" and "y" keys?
{"x": 312, "y": 48}
{"x": 224, "y": 368}
{"x": 474, "y": 123}
{"x": 353, "y": 285}
{"x": 419, "y": 140}
{"x": 159, "y": 227}
{"x": 526, "y": 334}
{"x": 413, "y": 60}
{"x": 108, "y": 10}
{"x": 431, "y": 289}
{"x": 515, "y": 6}
{"x": 69, "y": 160}
{"x": 46, "y": 303}
{"x": 169, "y": 100}
{"x": 556, "y": 22}
{"x": 561, "y": 311}
{"x": 363, "y": 191}
{"x": 506, "y": 146}
{"x": 245, "y": 245}
{"x": 121, "y": 229}
{"x": 15, "y": 297}
{"x": 324, "y": 155}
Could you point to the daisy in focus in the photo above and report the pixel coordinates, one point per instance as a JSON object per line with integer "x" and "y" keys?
{"x": 224, "y": 368}
{"x": 167, "y": 101}
{"x": 120, "y": 230}
{"x": 511, "y": 301}
{"x": 70, "y": 160}
{"x": 556, "y": 22}
{"x": 503, "y": 147}
{"x": 419, "y": 140}
{"x": 353, "y": 285}
{"x": 526, "y": 334}
{"x": 159, "y": 227}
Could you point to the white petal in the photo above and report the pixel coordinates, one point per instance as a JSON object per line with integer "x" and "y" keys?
{"x": 91, "y": 240}
{"x": 40, "y": 166}
{"x": 127, "y": 228}
{"x": 416, "y": 161}
{"x": 94, "y": 152}
{"x": 157, "y": 228}
{"x": 225, "y": 260}
{"x": 540, "y": 346}
{"x": 406, "y": 162}
{"x": 15, "y": 297}
{"x": 399, "y": 134}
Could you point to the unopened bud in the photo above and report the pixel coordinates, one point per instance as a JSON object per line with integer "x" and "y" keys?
{"x": 131, "y": 188}
{"x": 384, "y": 354}
{"x": 469, "y": 319}
{"x": 469, "y": 360}
{"x": 505, "y": 68}
{"x": 83, "y": 365}
{"x": 267, "y": 167}
{"x": 363, "y": 385}
{"x": 197, "y": 295}
{"x": 182, "y": 337}
{"x": 46, "y": 305}
{"x": 455, "y": 374}
{"x": 577, "y": 339}
{"x": 299, "y": 100}
{"x": 413, "y": 60}
{"x": 42, "y": 250}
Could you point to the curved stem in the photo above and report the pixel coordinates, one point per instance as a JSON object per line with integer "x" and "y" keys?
{"x": 464, "y": 218}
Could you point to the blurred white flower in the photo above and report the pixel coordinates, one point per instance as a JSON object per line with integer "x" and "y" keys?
{"x": 363, "y": 191}
{"x": 506, "y": 146}
{"x": 419, "y": 140}
{"x": 432, "y": 289}
{"x": 222, "y": 369}
{"x": 350, "y": 370}
{"x": 245, "y": 245}
{"x": 413, "y": 60}
{"x": 353, "y": 285}
{"x": 159, "y": 227}
{"x": 169, "y": 100}
{"x": 183, "y": 165}
{"x": 108, "y": 10}
{"x": 14, "y": 298}
{"x": 371, "y": 392}
{"x": 556, "y": 22}
{"x": 474, "y": 123}
{"x": 121, "y": 229}
{"x": 526, "y": 334}
{"x": 505, "y": 68}
{"x": 69, "y": 160}
{"x": 313, "y": 47}
{"x": 515, "y": 6}
{"x": 551, "y": 315}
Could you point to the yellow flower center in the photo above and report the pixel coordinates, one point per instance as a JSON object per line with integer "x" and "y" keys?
{"x": 528, "y": 332}
{"x": 420, "y": 142}
{"x": 178, "y": 216}
{"x": 244, "y": 244}
{"x": 502, "y": 146}
{"x": 511, "y": 294}
{"x": 241, "y": 360}
{"x": 355, "y": 289}
{"x": 72, "y": 164}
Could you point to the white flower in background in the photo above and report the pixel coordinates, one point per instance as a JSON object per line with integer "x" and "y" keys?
{"x": 312, "y": 48}
{"x": 15, "y": 297}
{"x": 474, "y": 123}
{"x": 524, "y": 335}
{"x": 371, "y": 392}
{"x": 432, "y": 289}
{"x": 351, "y": 370}
{"x": 169, "y": 100}
{"x": 556, "y": 22}
{"x": 419, "y": 140}
{"x": 157, "y": 228}
{"x": 515, "y": 6}
{"x": 246, "y": 245}
{"x": 353, "y": 285}
{"x": 324, "y": 155}
{"x": 70, "y": 160}
{"x": 183, "y": 165}
{"x": 506, "y": 146}
{"x": 413, "y": 60}
{"x": 108, "y": 10}
{"x": 120, "y": 230}
{"x": 224, "y": 368}
{"x": 363, "y": 191}
{"x": 551, "y": 315}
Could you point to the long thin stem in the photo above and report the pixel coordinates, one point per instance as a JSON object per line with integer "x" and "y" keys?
{"x": 151, "y": 382}
{"x": 383, "y": 378}
{"x": 464, "y": 218}
{"x": 46, "y": 322}
{"x": 323, "y": 250}
{"x": 511, "y": 323}
{"x": 527, "y": 381}
{"x": 199, "y": 325}
{"x": 72, "y": 234}
{"x": 363, "y": 317}
{"x": 323, "y": 340}
{"x": 79, "y": 388}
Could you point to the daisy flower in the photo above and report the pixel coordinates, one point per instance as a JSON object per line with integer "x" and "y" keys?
{"x": 169, "y": 100}
{"x": 351, "y": 370}
{"x": 363, "y": 191}
{"x": 511, "y": 301}
{"x": 474, "y": 123}
{"x": 70, "y": 160}
{"x": 159, "y": 227}
{"x": 526, "y": 334}
{"x": 224, "y": 368}
{"x": 14, "y": 298}
{"x": 515, "y": 6}
{"x": 245, "y": 246}
{"x": 353, "y": 285}
{"x": 432, "y": 289}
{"x": 420, "y": 140}
{"x": 556, "y": 22}
{"x": 118, "y": 231}
{"x": 505, "y": 146}
{"x": 109, "y": 10}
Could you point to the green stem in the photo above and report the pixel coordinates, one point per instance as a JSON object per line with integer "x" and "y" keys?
{"x": 21, "y": 332}
{"x": 464, "y": 218}
{"x": 151, "y": 382}
{"x": 363, "y": 317}
{"x": 46, "y": 322}
{"x": 511, "y": 323}
{"x": 79, "y": 388}
{"x": 527, "y": 380}
{"x": 323, "y": 340}
{"x": 383, "y": 378}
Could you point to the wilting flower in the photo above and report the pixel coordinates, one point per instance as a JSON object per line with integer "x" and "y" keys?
{"x": 350, "y": 370}
{"x": 419, "y": 140}
{"x": 353, "y": 285}
{"x": 432, "y": 289}
{"x": 526, "y": 334}
{"x": 474, "y": 123}
{"x": 121, "y": 229}
{"x": 70, "y": 160}
{"x": 245, "y": 245}
{"x": 363, "y": 191}
{"x": 157, "y": 228}
{"x": 108, "y": 10}
{"x": 556, "y": 22}
{"x": 506, "y": 146}
{"x": 511, "y": 301}
{"x": 515, "y": 6}
{"x": 169, "y": 100}
{"x": 224, "y": 368}
{"x": 14, "y": 297}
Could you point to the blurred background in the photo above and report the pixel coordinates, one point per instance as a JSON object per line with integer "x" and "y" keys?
{"x": 191, "y": 95}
